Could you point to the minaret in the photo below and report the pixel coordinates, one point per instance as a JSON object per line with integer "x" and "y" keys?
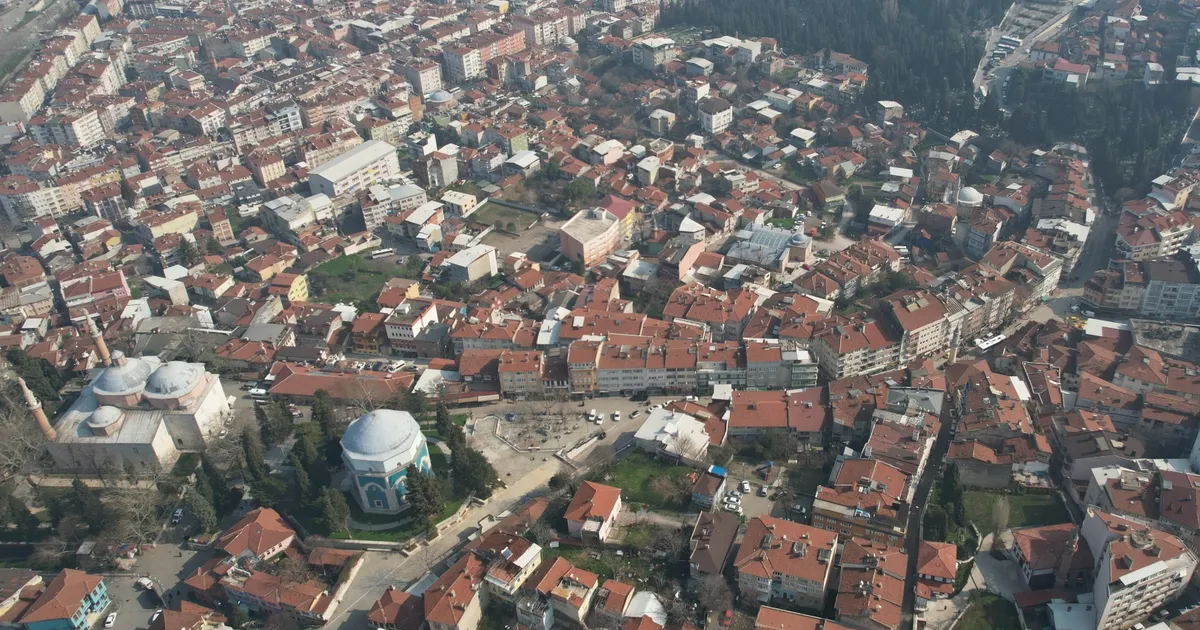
{"x": 101, "y": 346}
{"x": 39, "y": 414}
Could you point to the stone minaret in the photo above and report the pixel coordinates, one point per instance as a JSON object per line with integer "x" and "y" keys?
{"x": 101, "y": 346}
{"x": 39, "y": 414}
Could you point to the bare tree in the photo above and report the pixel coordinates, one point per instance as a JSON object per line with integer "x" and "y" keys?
{"x": 21, "y": 442}
{"x": 295, "y": 571}
{"x": 50, "y": 552}
{"x": 668, "y": 542}
{"x": 427, "y": 557}
{"x": 714, "y": 593}
{"x": 541, "y": 532}
{"x": 280, "y": 620}
{"x": 688, "y": 447}
{"x": 1000, "y": 512}
{"x": 136, "y": 512}
{"x": 676, "y": 488}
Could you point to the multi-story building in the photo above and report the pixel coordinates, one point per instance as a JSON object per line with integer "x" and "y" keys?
{"x": 784, "y": 561}
{"x": 590, "y": 236}
{"x": 407, "y": 321}
{"x": 1155, "y": 236}
{"x": 653, "y": 52}
{"x": 716, "y": 114}
{"x": 923, "y": 322}
{"x": 1159, "y": 289}
{"x": 868, "y": 499}
{"x": 859, "y": 346}
{"x": 424, "y": 75}
{"x": 368, "y": 163}
{"x": 471, "y": 264}
{"x": 871, "y": 585}
{"x": 1137, "y": 569}
{"x": 468, "y": 60}
{"x": 21, "y": 99}
{"x": 438, "y": 170}
{"x": 75, "y": 128}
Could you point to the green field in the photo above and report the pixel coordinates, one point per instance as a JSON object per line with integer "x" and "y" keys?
{"x": 635, "y": 474}
{"x": 604, "y": 563}
{"x": 1024, "y": 509}
{"x": 490, "y": 213}
{"x": 351, "y": 278}
{"x": 989, "y": 612}
{"x": 399, "y": 534}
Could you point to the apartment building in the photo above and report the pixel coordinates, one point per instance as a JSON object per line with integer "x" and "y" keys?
{"x": 468, "y": 60}
{"x": 653, "y": 52}
{"x": 871, "y": 585}
{"x": 853, "y": 347}
{"x": 21, "y": 99}
{"x": 866, "y": 498}
{"x": 1158, "y": 289}
{"x": 407, "y": 321}
{"x": 471, "y": 264}
{"x": 1040, "y": 270}
{"x": 590, "y": 236}
{"x": 424, "y": 75}
{"x": 368, "y": 163}
{"x": 23, "y": 199}
{"x": 716, "y": 114}
{"x": 72, "y": 128}
{"x": 1137, "y": 569}
{"x": 924, "y": 323}
{"x": 783, "y": 561}
{"x": 1154, "y": 236}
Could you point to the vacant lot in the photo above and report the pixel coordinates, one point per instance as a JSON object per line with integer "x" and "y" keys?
{"x": 1024, "y": 509}
{"x": 352, "y": 278}
{"x": 490, "y": 213}
{"x": 646, "y": 481}
{"x": 989, "y": 612}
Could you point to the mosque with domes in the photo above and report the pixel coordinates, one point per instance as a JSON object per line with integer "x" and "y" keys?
{"x": 139, "y": 410}
{"x": 377, "y": 449}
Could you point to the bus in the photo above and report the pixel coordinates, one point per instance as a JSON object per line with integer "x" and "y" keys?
{"x": 380, "y": 253}
{"x": 1009, "y": 39}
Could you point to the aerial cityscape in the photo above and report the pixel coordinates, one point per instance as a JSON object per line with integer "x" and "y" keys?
{"x": 612, "y": 314}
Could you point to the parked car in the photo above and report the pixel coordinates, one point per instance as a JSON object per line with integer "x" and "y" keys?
{"x": 744, "y": 487}
{"x": 145, "y": 583}
{"x": 616, "y": 416}
{"x": 762, "y": 491}
{"x": 110, "y": 620}
{"x": 177, "y": 516}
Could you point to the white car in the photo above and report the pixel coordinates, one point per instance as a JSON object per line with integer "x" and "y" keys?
{"x": 145, "y": 583}
{"x": 616, "y": 416}
{"x": 733, "y": 507}
{"x": 744, "y": 487}
{"x": 110, "y": 620}
{"x": 592, "y": 414}
{"x": 733, "y": 500}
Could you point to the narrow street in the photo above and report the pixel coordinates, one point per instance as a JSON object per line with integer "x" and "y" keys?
{"x": 916, "y": 514}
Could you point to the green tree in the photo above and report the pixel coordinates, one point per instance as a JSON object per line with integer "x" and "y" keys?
{"x": 203, "y": 510}
{"x": 335, "y": 512}
{"x": 424, "y": 496}
{"x": 204, "y": 488}
{"x": 42, "y": 378}
{"x": 451, "y": 433}
{"x": 186, "y": 253}
{"x": 254, "y": 455}
{"x": 236, "y": 616}
{"x": 473, "y": 473}
{"x": 85, "y": 503}
{"x": 270, "y": 491}
{"x": 303, "y": 483}
{"x": 937, "y": 523}
{"x": 579, "y": 191}
{"x": 266, "y": 428}
{"x": 214, "y": 247}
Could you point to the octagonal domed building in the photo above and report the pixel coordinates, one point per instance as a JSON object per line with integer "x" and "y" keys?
{"x": 377, "y": 449}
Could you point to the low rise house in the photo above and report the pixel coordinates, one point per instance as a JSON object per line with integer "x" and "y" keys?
{"x": 593, "y": 512}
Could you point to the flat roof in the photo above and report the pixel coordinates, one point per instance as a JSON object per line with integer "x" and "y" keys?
{"x": 351, "y": 161}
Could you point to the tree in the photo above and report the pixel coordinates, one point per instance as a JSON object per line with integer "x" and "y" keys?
{"x": 236, "y": 616}
{"x": 294, "y": 570}
{"x": 714, "y": 593}
{"x": 578, "y": 191}
{"x": 673, "y": 488}
{"x": 214, "y": 247}
{"x": 1000, "y": 511}
{"x": 85, "y": 502}
{"x": 186, "y": 253}
{"x": 560, "y": 481}
{"x": 270, "y": 491}
{"x": 204, "y": 489}
{"x": 424, "y": 496}
{"x": 202, "y": 509}
{"x": 451, "y": 433}
{"x": 255, "y": 457}
{"x": 280, "y": 620}
{"x": 335, "y": 512}
{"x": 303, "y": 483}
{"x": 266, "y": 428}
{"x": 937, "y": 523}
{"x": 473, "y": 473}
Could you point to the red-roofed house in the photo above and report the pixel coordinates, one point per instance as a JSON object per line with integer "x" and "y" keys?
{"x": 593, "y": 511}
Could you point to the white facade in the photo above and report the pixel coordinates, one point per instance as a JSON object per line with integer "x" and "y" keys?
{"x": 368, "y": 163}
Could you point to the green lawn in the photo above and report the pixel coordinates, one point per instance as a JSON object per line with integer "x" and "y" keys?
{"x": 1024, "y": 509}
{"x": 490, "y": 213}
{"x": 603, "y": 562}
{"x": 352, "y": 278}
{"x": 989, "y": 612}
{"x": 399, "y": 534}
{"x": 634, "y": 476}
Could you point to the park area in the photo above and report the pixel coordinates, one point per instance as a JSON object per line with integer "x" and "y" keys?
{"x": 1024, "y": 510}
{"x": 357, "y": 278}
{"x": 645, "y": 481}
{"x": 989, "y": 612}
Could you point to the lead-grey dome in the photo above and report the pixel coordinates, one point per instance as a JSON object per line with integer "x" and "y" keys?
{"x": 125, "y": 375}
{"x": 103, "y": 416}
{"x": 970, "y": 196}
{"x": 173, "y": 379}
{"x": 381, "y": 434}
{"x": 440, "y": 96}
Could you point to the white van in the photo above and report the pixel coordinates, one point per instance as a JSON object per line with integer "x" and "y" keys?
{"x": 258, "y": 393}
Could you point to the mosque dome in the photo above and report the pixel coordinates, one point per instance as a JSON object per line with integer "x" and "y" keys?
{"x": 174, "y": 379}
{"x": 125, "y": 375}
{"x": 439, "y": 97}
{"x": 104, "y": 416}
{"x": 970, "y": 196}
{"x": 382, "y": 434}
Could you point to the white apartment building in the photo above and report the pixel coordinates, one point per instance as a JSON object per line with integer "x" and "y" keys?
{"x": 716, "y": 114}
{"x": 74, "y": 129}
{"x": 369, "y": 163}
{"x": 471, "y": 264}
{"x": 654, "y": 52}
{"x": 459, "y": 204}
{"x": 408, "y": 320}
{"x": 23, "y": 199}
{"x": 463, "y": 63}
{"x": 424, "y": 75}
{"x": 1137, "y": 569}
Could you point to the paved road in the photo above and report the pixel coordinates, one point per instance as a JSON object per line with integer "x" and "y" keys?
{"x": 916, "y": 515}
